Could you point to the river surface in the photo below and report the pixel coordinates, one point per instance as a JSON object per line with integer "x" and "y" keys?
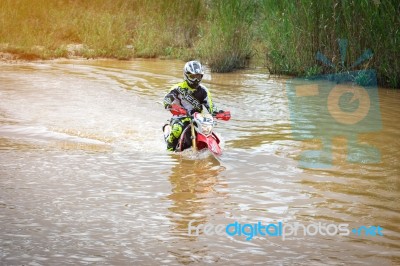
{"x": 85, "y": 178}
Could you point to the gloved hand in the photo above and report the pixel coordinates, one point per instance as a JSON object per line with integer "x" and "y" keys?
{"x": 217, "y": 112}
{"x": 222, "y": 115}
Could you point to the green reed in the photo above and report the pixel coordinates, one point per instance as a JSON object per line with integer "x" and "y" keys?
{"x": 228, "y": 37}
{"x": 295, "y": 31}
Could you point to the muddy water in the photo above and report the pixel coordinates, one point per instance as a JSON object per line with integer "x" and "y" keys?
{"x": 84, "y": 177}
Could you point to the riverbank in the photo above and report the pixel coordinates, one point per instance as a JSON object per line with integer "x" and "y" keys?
{"x": 283, "y": 36}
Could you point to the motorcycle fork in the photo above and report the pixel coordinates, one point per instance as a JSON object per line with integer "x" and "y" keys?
{"x": 193, "y": 136}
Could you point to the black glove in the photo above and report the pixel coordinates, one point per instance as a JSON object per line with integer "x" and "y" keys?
{"x": 217, "y": 112}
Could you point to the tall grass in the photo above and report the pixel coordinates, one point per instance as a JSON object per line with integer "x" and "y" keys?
{"x": 47, "y": 27}
{"x": 223, "y": 33}
{"x": 44, "y": 28}
{"x": 228, "y": 38}
{"x": 167, "y": 28}
{"x": 296, "y": 30}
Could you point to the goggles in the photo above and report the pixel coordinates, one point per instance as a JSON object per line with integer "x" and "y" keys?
{"x": 195, "y": 76}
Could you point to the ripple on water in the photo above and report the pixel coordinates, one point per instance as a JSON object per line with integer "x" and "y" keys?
{"x": 84, "y": 177}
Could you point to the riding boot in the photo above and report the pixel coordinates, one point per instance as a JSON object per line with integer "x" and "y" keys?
{"x": 172, "y": 139}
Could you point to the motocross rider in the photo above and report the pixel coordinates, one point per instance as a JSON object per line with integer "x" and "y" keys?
{"x": 190, "y": 95}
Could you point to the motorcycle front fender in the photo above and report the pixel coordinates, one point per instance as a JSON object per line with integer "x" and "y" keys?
{"x": 210, "y": 142}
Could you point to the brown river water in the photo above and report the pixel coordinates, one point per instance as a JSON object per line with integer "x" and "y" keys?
{"x": 85, "y": 178}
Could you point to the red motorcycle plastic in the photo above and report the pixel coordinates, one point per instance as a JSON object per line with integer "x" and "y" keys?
{"x": 198, "y": 134}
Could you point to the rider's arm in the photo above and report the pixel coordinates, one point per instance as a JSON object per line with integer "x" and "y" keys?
{"x": 171, "y": 96}
{"x": 207, "y": 102}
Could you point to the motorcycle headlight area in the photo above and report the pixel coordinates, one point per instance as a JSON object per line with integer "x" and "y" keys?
{"x": 206, "y": 128}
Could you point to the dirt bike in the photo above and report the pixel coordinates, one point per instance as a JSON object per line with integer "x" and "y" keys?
{"x": 198, "y": 134}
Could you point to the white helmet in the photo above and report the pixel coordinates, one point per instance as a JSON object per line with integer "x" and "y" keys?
{"x": 193, "y": 73}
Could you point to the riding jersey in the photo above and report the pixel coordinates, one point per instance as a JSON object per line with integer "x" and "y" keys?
{"x": 190, "y": 99}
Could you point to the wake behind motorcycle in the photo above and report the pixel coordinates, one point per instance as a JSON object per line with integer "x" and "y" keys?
{"x": 198, "y": 134}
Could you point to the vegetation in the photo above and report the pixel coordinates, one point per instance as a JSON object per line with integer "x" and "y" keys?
{"x": 295, "y": 31}
{"x": 228, "y": 35}
{"x": 286, "y": 34}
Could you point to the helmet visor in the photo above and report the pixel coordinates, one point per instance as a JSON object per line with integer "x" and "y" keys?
{"x": 195, "y": 76}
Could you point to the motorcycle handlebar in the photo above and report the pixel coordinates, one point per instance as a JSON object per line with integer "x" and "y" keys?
{"x": 176, "y": 109}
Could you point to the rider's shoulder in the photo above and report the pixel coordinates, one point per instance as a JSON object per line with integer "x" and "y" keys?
{"x": 181, "y": 85}
{"x": 204, "y": 88}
